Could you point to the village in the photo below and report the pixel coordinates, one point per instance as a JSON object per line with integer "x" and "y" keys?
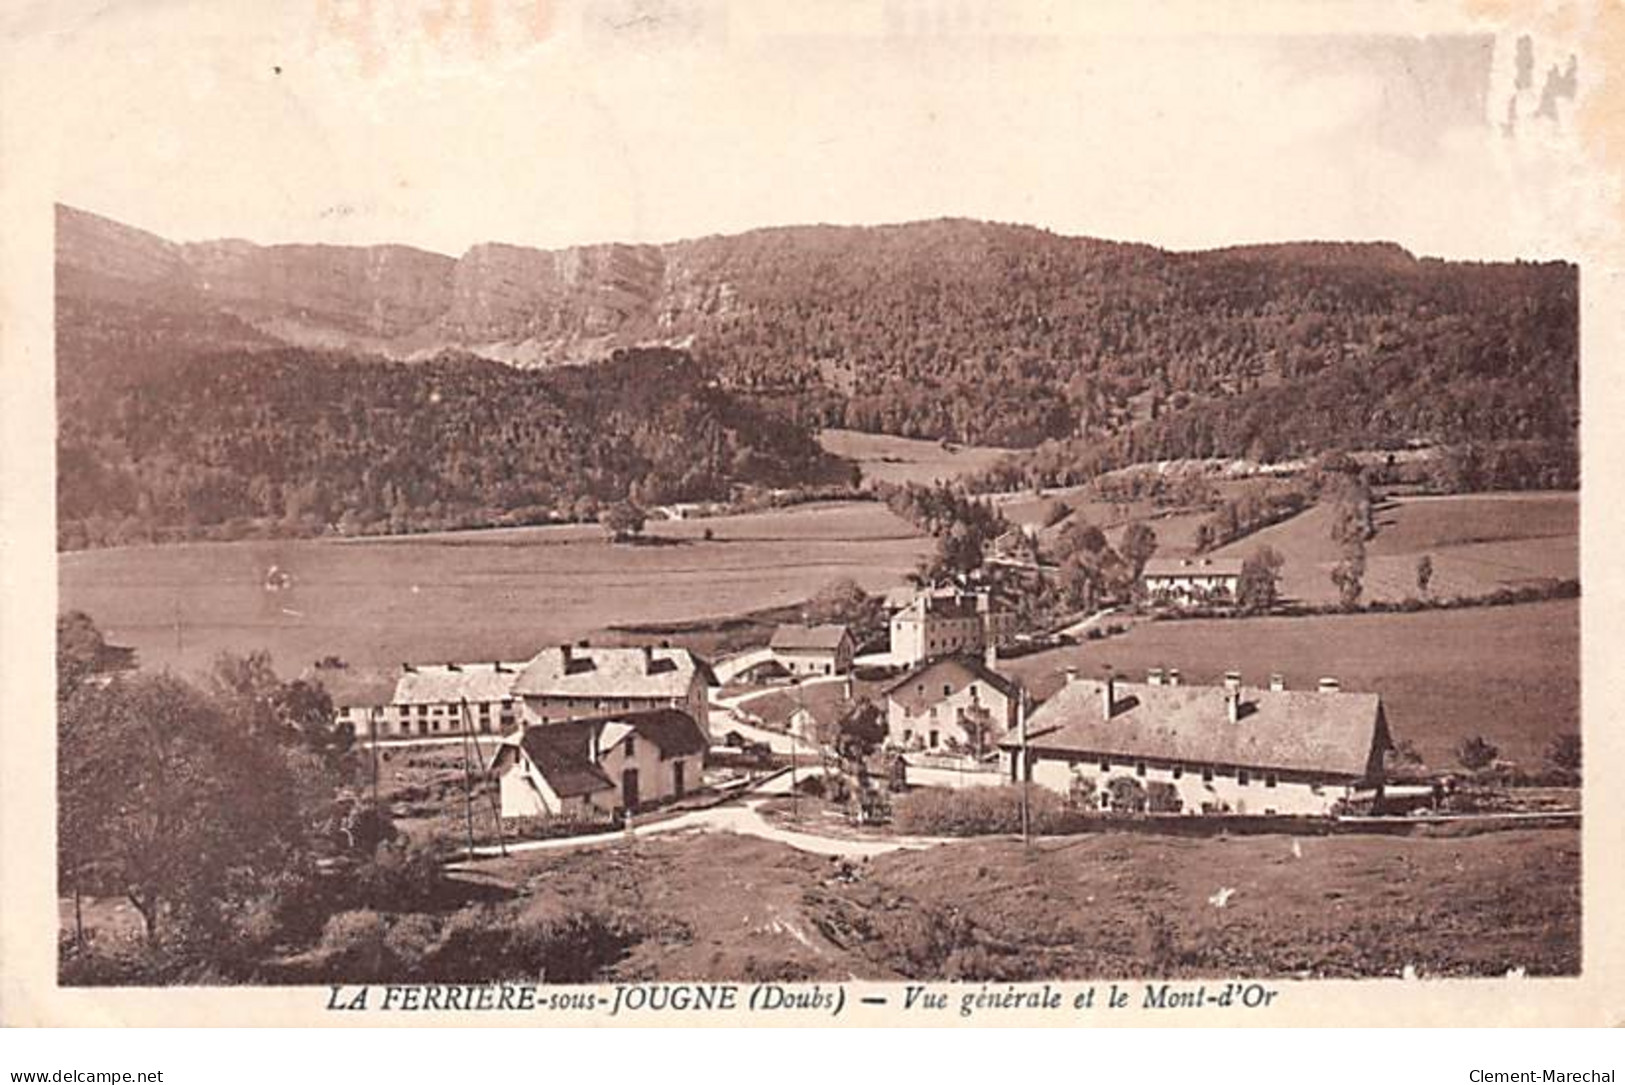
{"x": 597, "y": 735}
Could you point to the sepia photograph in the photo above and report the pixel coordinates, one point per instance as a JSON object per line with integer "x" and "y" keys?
{"x": 627, "y": 497}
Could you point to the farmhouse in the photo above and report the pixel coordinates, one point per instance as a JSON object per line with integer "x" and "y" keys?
{"x": 946, "y": 702}
{"x": 938, "y": 623}
{"x": 571, "y": 683}
{"x": 1191, "y": 581}
{"x": 812, "y": 649}
{"x": 606, "y": 765}
{"x": 430, "y": 700}
{"x": 1204, "y": 749}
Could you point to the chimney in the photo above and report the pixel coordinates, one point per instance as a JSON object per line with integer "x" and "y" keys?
{"x": 991, "y": 654}
{"x": 1232, "y": 681}
{"x": 568, "y": 653}
{"x": 453, "y": 667}
{"x": 1277, "y": 682}
{"x": 1071, "y": 674}
{"x": 1153, "y": 677}
{"x": 648, "y": 660}
{"x": 498, "y": 668}
{"x": 1173, "y": 676}
{"x": 1108, "y": 695}
{"x": 1330, "y": 685}
{"x": 407, "y": 668}
{"x": 1232, "y": 705}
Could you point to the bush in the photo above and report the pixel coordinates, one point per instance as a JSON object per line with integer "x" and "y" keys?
{"x": 401, "y": 874}
{"x": 980, "y": 811}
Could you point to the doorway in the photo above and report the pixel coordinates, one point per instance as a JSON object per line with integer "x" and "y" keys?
{"x": 629, "y": 789}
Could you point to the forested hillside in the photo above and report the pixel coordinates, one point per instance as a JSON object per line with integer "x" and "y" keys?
{"x": 185, "y": 403}
{"x": 295, "y": 442}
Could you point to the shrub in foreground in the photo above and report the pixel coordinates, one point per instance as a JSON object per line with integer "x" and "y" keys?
{"x": 979, "y": 811}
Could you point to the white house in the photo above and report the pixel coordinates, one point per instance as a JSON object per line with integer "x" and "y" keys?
{"x": 945, "y": 623}
{"x": 812, "y": 649}
{"x": 430, "y": 700}
{"x": 1191, "y": 581}
{"x": 605, "y": 765}
{"x": 571, "y": 683}
{"x": 938, "y": 705}
{"x": 1208, "y": 749}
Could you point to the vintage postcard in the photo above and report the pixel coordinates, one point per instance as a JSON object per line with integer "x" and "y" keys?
{"x": 623, "y": 512}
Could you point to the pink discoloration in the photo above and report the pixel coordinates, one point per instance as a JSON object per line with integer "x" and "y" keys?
{"x": 379, "y": 32}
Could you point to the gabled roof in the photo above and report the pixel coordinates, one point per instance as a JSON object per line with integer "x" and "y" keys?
{"x": 808, "y": 638}
{"x": 1193, "y": 567}
{"x": 673, "y": 732}
{"x": 958, "y": 671}
{"x": 611, "y": 672}
{"x": 560, "y": 753}
{"x": 1311, "y": 731}
{"x": 449, "y": 683}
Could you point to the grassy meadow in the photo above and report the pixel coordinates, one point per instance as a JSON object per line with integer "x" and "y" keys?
{"x": 897, "y": 460}
{"x": 1510, "y": 673}
{"x": 728, "y": 907}
{"x": 472, "y": 595}
{"x": 1478, "y": 543}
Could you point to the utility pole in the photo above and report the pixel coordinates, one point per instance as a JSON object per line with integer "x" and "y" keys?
{"x": 1024, "y": 769}
{"x": 801, "y": 714}
{"x": 468, "y": 780}
{"x": 496, "y": 804}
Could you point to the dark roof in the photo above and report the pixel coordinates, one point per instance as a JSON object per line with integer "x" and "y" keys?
{"x": 1192, "y": 567}
{"x": 1333, "y": 733}
{"x": 805, "y": 638}
{"x": 559, "y": 751}
{"x": 959, "y": 671}
{"x": 675, "y": 733}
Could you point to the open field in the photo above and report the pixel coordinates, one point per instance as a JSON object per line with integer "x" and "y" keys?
{"x": 472, "y": 595}
{"x": 1478, "y": 543}
{"x": 740, "y": 908}
{"x": 1510, "y": 674}
{"x": 897, "y": 460}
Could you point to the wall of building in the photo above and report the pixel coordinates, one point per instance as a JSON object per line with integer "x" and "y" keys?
{"x": 814, "y": 662}
{"x": 430, "y": 720}
{"x": 657, "y": 777}
{"x": 1289, "y": 795}
{"x": 541, "y": 710}
{"x": 916, "y": 637}
{"x": 944, "y": 717}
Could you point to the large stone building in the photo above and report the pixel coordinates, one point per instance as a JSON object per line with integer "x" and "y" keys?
{"x": 572, "y": 683}
{"x": 432, "y": 700}
{"x": 954, "y": 703}
{"x": 1204, "y": 749}
{"x": 947, "y": 623}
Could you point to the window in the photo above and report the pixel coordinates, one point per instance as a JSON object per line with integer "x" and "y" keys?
{"x": 1269, "y": 779}
{"x": 932, "y": 742}
{"x": 1243, "y": 777}
{"x": 631, "y": 746}
{"x": 947, "y": 690}
{"x": 1207, "y": 774}
{"x": 423, "y": 710}
{"x": 908, "y": 736}
{"x": 1105, "y": 765}
{"x": 1179, "y": 770}
{"x": 1139, "y": 768}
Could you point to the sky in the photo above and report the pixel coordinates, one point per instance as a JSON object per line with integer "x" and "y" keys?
{"x": 446, "y": 123}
